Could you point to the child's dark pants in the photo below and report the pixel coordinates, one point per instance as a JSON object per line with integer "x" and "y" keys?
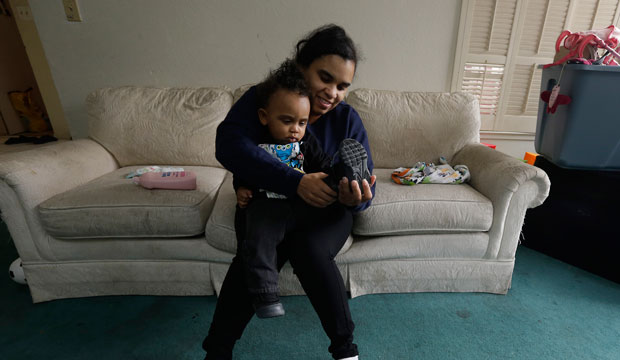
{"x": 310, "y": 244}
{"x": 266, "y": 223}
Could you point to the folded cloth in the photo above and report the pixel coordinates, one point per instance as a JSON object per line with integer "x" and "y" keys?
{"x": 149, "y": 169}
{"x": 173, "y": 180}
{"x": 423, "y": 173}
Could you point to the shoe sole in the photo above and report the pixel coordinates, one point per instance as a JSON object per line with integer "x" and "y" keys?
{"x": 355, "y": 159}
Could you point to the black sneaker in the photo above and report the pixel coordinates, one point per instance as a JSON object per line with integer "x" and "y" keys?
{"x": 269, "y": 310}
{"x": 353, "y": 162}
{"x": 267, "y": 305}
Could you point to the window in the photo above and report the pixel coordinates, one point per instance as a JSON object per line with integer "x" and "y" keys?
{"x": 502, "y": 44}
{"x": 484, "y": 81}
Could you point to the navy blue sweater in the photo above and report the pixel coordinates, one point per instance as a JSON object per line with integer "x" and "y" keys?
{"x": 241, "y": 131}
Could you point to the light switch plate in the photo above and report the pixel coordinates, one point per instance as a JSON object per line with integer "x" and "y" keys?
{"x": 72, "y": 10}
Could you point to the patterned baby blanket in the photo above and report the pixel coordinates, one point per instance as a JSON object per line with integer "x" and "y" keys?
{"x": 423, "y": 173}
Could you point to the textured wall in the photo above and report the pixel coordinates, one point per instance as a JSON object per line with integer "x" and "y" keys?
{"x": 406, "y": 45}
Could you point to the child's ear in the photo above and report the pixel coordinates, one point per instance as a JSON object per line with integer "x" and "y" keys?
{"x": 262, "y": 116}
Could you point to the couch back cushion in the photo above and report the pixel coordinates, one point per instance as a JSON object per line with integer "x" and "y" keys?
{"x": 150, "y": 126}
{"x": 407, "y": 127}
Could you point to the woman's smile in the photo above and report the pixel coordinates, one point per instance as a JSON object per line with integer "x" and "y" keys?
{"x": 323, "y": 103}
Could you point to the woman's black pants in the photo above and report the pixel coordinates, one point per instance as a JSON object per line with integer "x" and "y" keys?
{"x": 310, "y": 245}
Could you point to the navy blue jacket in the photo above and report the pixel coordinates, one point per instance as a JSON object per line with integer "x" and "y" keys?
{"x": 238, "y": 136}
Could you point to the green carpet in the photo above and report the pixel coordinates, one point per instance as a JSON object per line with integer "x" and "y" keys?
{"x": 553, "y": 311}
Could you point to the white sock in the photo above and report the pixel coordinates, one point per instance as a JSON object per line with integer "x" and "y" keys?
{"x": 351, "y": 358}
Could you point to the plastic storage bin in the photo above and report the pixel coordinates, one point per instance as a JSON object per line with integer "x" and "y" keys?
{"x": 584, "y": 134}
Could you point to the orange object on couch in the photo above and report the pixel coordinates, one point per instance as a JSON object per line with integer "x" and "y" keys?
{"x": 530, "y": 158}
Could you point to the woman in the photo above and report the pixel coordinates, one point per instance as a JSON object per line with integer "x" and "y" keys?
{"x": 328, "y": 59}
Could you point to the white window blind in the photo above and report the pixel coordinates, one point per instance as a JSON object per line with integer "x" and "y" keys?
{"x": 484, "y": 81}
{"x": 543, "y": 21}
{"x": 517, "y": 36}
{"x": 491, "y": 26}
{"x": 593, "y": 14}
{"x": 524, "y": 90}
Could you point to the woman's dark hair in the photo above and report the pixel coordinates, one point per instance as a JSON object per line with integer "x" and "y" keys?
{"x": 287, "y": 76}
{"x": 327, "y": 40}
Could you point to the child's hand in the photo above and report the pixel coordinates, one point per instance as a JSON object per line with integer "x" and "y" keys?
{"x": 244, "y": 195}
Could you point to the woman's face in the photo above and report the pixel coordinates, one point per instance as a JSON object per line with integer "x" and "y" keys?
{"x": 329, "y": 78}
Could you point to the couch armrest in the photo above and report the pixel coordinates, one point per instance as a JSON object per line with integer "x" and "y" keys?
{"x": 27, "y": 178}
{"x": 511, "y": 185}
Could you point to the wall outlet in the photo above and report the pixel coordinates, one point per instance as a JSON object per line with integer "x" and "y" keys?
{"x": 71, "y": 10}
{"x": 23, "y": 13}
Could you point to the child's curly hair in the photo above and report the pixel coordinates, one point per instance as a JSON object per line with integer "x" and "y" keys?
{"x": 287, "y": 76}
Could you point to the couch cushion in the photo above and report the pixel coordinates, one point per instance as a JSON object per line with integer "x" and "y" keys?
{"x": 112, "y": 206}
{"x": 407, "y": 127}
{"x": 220, "y": 231}
{"x": 158, "y": 126}
{"x": 425, "y": 208}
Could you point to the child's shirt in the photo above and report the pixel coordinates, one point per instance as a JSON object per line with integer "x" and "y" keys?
{"x": 305, "y": 156}
{"x": 289, "y": 154}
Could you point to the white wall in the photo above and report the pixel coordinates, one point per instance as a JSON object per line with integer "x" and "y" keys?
{"x": 515, "y": 145}
{"x": 406, "y": 45}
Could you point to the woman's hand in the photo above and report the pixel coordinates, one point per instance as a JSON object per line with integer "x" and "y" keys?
{"x": 352, "y": 195}
{"x": 313, "y": 190}
{"x": 244, "y": 195}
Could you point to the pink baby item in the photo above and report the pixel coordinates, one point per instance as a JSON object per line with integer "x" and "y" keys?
{"x": 577, "y": 42}
{"x": 172, "y": 180}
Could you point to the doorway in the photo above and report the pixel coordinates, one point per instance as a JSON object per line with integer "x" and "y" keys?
{"x": 24, "y": 66}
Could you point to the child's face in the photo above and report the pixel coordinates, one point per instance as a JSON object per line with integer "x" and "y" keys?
{"x": 286, "y": 116}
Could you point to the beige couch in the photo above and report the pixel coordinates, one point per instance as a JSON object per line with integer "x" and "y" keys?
{"x": 81, "y": 229}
